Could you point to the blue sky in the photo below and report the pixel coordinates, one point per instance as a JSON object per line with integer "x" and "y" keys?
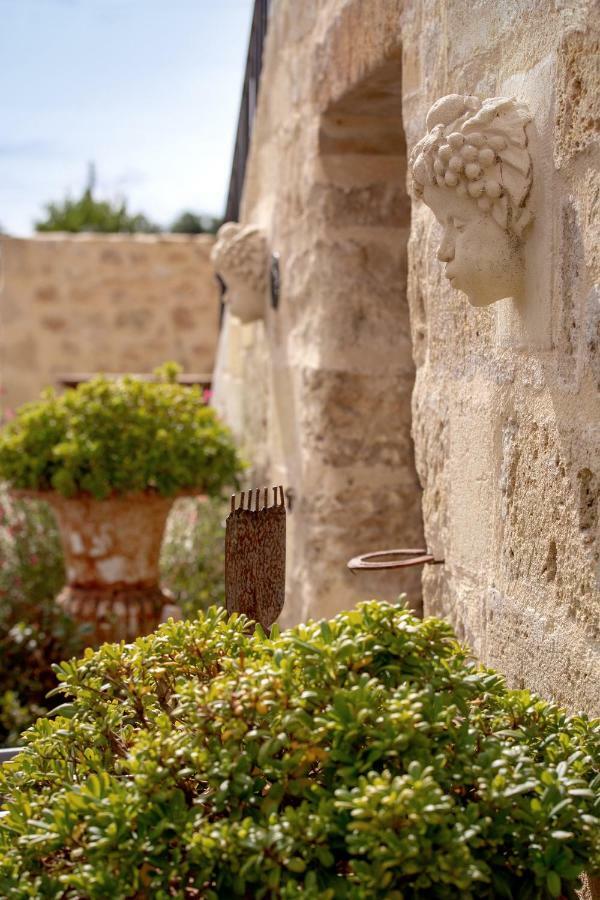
{"x": 149, "y": 90}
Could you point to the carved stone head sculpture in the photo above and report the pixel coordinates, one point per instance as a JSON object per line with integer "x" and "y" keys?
{"x": 241, "y": 257}
{"x": 473, "y": 169}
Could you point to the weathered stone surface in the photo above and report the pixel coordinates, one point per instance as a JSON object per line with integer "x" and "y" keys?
{"x": 117, "y": 614}
{"x": 112, "y": 303}
{"x": 505, "y": 416}
{"x": 112, "y": 542}
{"x": 319, "y": 393}
{"x": 111, "y": 550}
{"x": 507, "y": 422}
{"x": 578, "y": 103}
{"x": 506, "y": 403}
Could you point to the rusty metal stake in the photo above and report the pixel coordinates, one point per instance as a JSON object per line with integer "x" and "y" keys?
{"x": 255, "y": 555}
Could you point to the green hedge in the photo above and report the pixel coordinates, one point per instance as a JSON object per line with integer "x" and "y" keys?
{"x": 119, "y": 436}
{"x": 363, "y": 757}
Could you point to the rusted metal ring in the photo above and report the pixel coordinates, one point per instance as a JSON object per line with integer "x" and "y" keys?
{"x": 415, "y": 558}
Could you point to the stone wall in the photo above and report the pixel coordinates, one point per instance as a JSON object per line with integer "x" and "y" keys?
{"x": 506, "y": 417}
{"x": 319, "y": 392}
{"x": 506, "y": 424}
{"x": 110, "y": 303}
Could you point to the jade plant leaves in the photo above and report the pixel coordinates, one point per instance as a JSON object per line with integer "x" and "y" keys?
{"x": 119, "y": 436}
{"x": 364, "y": 757}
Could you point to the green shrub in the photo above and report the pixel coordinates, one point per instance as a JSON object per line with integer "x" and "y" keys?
{"x": 363, "y": 757}
{"x": 117, "y": 437}
{"x": 34, "y": 632}
{"x": 192, "y": 561}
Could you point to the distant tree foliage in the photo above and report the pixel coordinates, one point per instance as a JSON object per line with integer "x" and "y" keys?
{"x": 107, "y": 217}
{"x": 89, "y": 214}
{"x": 189, "y": 222}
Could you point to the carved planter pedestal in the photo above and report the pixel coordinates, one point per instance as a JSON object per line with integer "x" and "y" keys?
{"x": 112, "y": 550}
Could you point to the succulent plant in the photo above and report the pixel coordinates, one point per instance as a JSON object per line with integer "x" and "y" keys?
{"x": 362, "y": 757}
{"x": 115, "y": 437}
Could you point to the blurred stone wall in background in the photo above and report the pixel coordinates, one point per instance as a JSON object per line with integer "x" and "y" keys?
{"x": 103, "y": 303}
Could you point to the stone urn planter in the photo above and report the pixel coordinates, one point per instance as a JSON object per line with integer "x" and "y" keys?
{"x": 111, "y": 457}
{"x": 111, "y": 549}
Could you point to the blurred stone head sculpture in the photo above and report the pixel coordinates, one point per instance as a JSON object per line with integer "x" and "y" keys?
{"x": 241, "y": 257}
{"x": 473, "y": 169}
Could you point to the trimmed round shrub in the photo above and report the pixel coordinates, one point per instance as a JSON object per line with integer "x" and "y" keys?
{"x": 119, "y": 436}
{"x": 364, "y": 757}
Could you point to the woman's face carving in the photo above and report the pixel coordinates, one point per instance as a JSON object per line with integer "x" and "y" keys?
{"x": 482, "y": 259}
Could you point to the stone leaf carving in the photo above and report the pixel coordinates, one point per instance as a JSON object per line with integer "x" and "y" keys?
{"x": 241, "y": 257}
{"x": 474, "y": 170}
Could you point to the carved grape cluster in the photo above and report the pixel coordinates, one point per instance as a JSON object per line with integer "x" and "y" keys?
{"x": 241, "y": 253}
{"x": 464, "y": 162}
{"x": 480, "y": 150}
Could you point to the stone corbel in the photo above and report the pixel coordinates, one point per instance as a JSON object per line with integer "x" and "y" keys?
{"x": 242, "y": 258}
{"x": 474, "y": 170}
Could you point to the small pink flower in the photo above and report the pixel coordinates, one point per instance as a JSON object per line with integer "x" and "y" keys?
{"x": 206, "y": 395}
{"x": 33, "y": 560}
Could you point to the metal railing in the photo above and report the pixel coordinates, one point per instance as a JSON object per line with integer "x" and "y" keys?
{"x": 254, "y": 62}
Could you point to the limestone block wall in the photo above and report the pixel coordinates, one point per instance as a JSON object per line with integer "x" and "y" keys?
{"x": 506, "y": 423}
{"x": 103, "y": 303}
{"x": 319, "y": 392}
{"x": 507, "y": 418}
